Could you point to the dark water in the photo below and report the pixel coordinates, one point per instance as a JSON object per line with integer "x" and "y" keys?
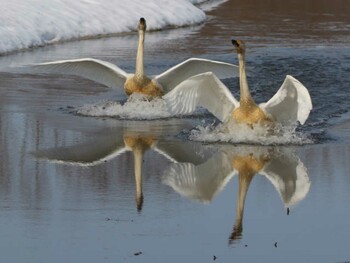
{"x": 187, "y": 202}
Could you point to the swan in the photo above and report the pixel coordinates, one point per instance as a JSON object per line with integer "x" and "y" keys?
{"x": 112, "y": 76}
{"x": 291, "y": 103}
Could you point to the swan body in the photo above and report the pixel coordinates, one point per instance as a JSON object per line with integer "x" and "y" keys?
{"x": 250, "y": 114}
{"x": 291, "y": 103}
{"x": 112, "y": 76}
{"x": 144, "y": 86}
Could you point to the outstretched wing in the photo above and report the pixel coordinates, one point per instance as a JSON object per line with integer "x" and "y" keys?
{"x": 89, "y": 154}
{"x": 97, "y": 70}
{"x": 193, "y": 66}
{"x": 290, "y": 104}
{"x": 204, "y": 90}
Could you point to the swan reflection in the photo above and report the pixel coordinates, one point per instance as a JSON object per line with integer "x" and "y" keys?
{"x": 108, "y": 148}
{"x": 203, "y": 182}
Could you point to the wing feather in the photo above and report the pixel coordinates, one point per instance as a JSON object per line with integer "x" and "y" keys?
{"x": 204, "y": 90}
{"x": 97, "y": 70}
{"x": 193, "y": 66}
{"x": 290, "y": 104}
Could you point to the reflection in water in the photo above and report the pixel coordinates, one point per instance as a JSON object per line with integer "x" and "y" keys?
{"x": 139, "y": 145}
{"x": 100, "y": 151}
{"x": 92, "y": 154}
{"x": 280, "y": 166}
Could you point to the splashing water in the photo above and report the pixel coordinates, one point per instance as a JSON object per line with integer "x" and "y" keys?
{"x": 136, "y": 107}
{"x": 233, "y": 132}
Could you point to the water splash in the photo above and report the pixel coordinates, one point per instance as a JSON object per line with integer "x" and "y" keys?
{"x": 136, "y": 107}
{"x": 233, "y": 132}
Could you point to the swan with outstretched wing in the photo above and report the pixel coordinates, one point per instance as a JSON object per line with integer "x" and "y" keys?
{"x": 112, "y": 76}
{"x": 291, "y": 103}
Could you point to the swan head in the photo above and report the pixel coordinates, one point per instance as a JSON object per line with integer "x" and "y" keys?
{"x": 239, "y": 45}
{"x": 142, "y": 24}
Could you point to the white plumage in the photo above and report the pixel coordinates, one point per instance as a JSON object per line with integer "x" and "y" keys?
{"x": 291, "y": 103}
{"x": 112, "y": 76}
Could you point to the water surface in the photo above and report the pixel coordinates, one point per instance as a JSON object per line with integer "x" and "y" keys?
{"x": 187, "y": 202}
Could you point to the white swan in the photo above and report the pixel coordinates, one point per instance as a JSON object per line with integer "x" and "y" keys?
{"x": 114, "y": 77}
{"x": 290, "y": 104}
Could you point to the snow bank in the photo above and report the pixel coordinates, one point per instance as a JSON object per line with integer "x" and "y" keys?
{"x": 30, "y": 23}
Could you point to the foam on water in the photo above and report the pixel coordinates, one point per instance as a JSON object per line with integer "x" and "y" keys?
{"x": 242, "y": 134}
{"x": 136, "y": 107}
{"x": 30, "y": 23}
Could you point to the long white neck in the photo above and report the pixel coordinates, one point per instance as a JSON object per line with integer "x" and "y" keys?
{"x": 243, "y": 83}
{"x": 139, "y": 72}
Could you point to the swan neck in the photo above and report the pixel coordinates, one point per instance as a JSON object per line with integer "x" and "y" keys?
{"x": 138, "y": 156}
{"x": 139, "y": 72}
{"x": 243, "y": 83}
